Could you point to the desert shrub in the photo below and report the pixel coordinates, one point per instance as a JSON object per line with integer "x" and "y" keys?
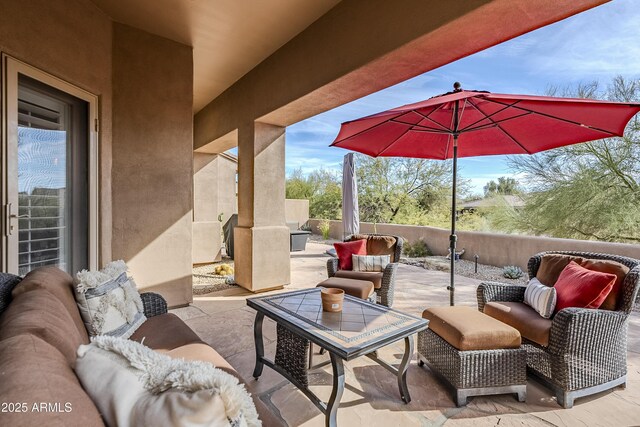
{"x": 417, "y": 249}
{"x": 512, "y": 272}
{"x": 324, "y": 226}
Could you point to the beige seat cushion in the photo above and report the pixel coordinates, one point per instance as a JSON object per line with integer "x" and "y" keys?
{"x": 525, "y": 319}
{"x": 165, "y": 332}
{"x": 200, "y": 351}
{"x": 374, "y": 277}
{"x": 466, "y": 328}
{"x": 35, "y": 372}
{"x": 357, "y": 288}
{"x": 379, "y": 245}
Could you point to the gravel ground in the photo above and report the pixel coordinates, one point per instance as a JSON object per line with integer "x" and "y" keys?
{"x": 206, "y": 281}
{"x": 464, "y": 268}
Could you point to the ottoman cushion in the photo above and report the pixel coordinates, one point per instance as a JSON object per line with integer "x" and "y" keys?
{"x": 468, "y": 329}
{"x": 370, "y": 276}
{"x": 357, "y": 288}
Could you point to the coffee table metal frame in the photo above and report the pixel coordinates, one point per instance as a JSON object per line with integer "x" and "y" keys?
{"x": 292, "y": 348}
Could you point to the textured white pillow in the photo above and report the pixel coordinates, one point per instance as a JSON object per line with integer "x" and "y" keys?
{"x": 108, "y": 301}
{"x": 133, "y": 385}
{"x": 370, "y": 262}
{"x": 540, "y": 297}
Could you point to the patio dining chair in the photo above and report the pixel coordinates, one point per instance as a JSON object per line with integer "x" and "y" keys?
{"x": 578, "y": 351}
{"x": 384, "y": 282}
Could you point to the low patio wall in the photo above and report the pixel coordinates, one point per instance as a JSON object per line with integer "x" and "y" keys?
{"x": 492, "y": 248}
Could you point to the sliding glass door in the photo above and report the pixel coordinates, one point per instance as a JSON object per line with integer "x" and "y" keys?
{"x": 48, "y": 175}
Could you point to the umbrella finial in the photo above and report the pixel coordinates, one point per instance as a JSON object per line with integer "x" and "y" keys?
{"x": 457, "y": 87}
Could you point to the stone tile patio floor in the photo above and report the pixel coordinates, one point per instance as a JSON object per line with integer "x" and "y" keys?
{"x": 371, "y": 397}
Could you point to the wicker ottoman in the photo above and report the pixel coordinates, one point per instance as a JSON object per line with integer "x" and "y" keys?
{"x": 474, "y": 353}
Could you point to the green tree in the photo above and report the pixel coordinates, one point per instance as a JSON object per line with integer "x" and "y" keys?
{"x": 298, "y": 186}
{"x": 504, "y": 186}
{"x": 401, "y": 190}
{"x": 323, "y": 190}
{"x": 590, "y": 190}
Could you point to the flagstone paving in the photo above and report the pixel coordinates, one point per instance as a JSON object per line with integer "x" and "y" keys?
{"x": 371, "y": 398}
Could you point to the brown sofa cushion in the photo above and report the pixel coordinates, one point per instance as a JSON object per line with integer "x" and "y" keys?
{"x": 374, "y": 277}
{"x": 466, "y": 328}
{"x": 552, "y": 265}
{"x": 43, "y": 315}
{"x": 606, "y": 266}
{"x": 58, "y": 283}
{"x": 35, "y": 372}
{"x": 165, "y": 332}
{"x": 198, "y": 351}
{"x": 525, "y": 319}
{"x": 379, "y": 245}
{"x": 356, "y": 288}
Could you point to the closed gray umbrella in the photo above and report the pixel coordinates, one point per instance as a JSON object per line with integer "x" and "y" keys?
{"x": 350, "y": 212}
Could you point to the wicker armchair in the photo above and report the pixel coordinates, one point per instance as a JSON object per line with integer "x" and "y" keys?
{"x": 385, "y": 292}
{"x": 587, "y": 350}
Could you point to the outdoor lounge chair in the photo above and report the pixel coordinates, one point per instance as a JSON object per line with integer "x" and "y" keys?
{"x": 585, "y": 350}
{"x": 384, "y": 282}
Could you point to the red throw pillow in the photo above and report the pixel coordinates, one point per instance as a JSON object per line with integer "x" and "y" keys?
{"x": 581, "y": 287}
{"x": 346, "y": 249}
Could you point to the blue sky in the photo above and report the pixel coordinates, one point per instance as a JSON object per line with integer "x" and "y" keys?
{"x": 595, "y": 45}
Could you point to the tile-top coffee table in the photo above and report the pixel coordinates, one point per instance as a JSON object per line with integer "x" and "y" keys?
{"x": 359, "y": 330}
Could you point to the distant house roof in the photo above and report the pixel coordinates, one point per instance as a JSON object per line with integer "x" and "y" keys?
{"x": 493, "y": 201}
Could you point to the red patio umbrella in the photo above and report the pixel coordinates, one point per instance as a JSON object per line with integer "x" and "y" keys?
{"x": 466, "y": 123}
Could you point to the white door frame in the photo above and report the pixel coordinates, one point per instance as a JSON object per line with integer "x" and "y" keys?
{"x": 11, "y": 68}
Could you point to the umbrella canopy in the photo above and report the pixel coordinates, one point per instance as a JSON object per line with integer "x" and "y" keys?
{"x": 478, "y": 123}
{"x": 350, "y": 211}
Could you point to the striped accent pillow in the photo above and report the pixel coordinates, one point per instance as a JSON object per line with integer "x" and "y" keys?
{"x": 370, "y": 262}
{"x": 108, "y": 301}
{"x": 540, "y": 297}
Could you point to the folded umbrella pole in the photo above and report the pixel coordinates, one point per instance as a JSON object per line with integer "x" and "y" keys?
{"x": 466, "y": 123}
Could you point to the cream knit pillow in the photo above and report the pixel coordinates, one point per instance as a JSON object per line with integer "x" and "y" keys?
{"x": 108, "y": 301}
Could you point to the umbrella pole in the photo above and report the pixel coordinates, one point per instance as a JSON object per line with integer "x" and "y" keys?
{"x": 453, "y": 238}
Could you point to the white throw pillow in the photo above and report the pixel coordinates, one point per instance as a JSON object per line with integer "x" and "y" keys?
{"x": 540, "y": 297}
{"x": 370, "y": 262}
{"x": 133, "y": 385}
{"x": 108, "y": 301}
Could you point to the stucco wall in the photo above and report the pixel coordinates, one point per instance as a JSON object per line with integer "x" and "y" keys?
{"x": 152, "y": 160}
{"x": 493, "y": 248}
{"x": 296, "y": 211}
{"x": 214, "y": 193}
{"x": 227, "y": 188}
{"x": 70, "y": 40}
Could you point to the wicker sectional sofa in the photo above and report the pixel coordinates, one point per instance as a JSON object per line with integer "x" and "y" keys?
{"x": 40, "y": 331}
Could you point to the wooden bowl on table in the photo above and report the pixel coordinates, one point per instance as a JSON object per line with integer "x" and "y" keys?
{"x": 332, "y": 299}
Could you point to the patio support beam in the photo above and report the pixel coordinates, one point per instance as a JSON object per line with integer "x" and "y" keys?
{"x": 261, "y": 237}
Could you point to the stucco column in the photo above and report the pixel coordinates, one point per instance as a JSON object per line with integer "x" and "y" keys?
{"x": 262, "y": 237}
